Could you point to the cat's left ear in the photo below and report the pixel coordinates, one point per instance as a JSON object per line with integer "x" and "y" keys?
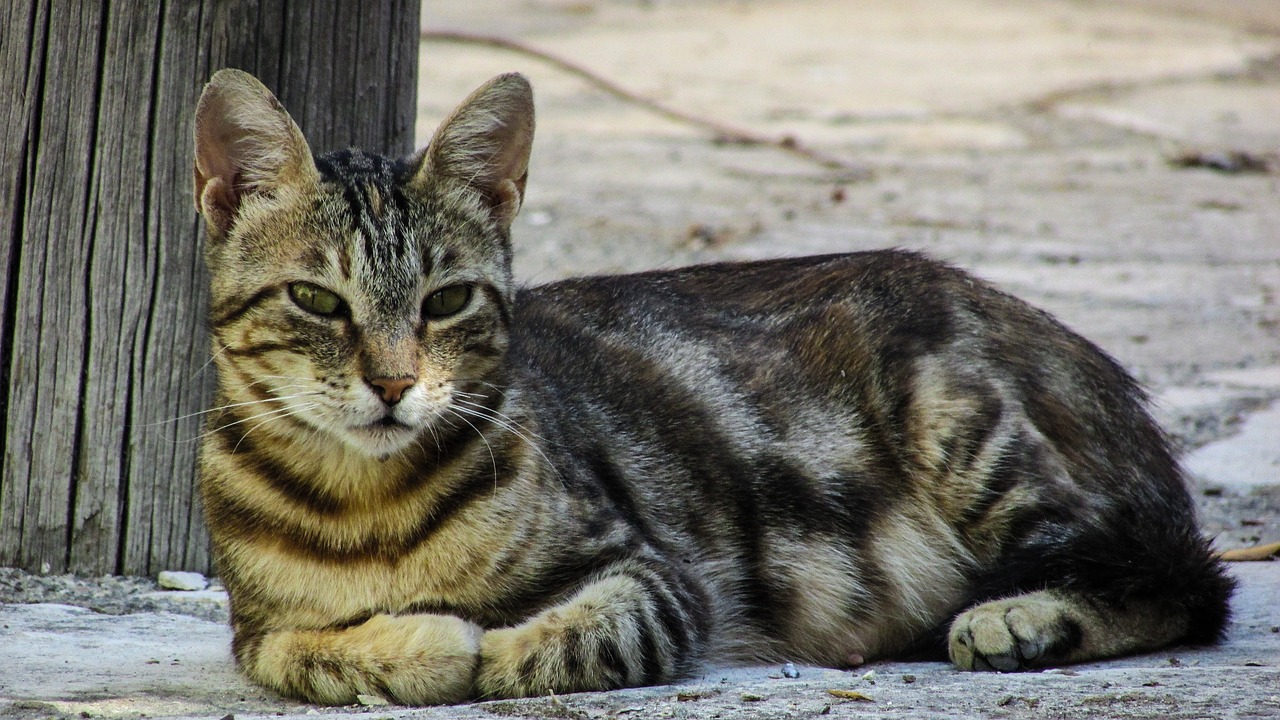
{"x": 485, "y": 144}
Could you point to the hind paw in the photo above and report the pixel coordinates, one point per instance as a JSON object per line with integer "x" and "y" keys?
{"x": 1028, "y": 631}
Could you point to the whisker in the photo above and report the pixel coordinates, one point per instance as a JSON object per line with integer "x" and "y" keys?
{"x": 492, "y": 458}
{"x": 231, "y": 405}
{"x": 515, "y": 431}
{"x": 512, "y": 424}
{"x": 296, "y": 411}
{"x": 501, "y": 390}
{"x": 208, "y": 362}
{"x": 284, "y": 411}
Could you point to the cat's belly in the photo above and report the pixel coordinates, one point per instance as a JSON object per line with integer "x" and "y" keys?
{"x": 834, "y": 601}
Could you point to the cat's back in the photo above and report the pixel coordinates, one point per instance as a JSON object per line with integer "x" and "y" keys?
{"x": 913, "y": 355}
{"x": 871, "y": 293}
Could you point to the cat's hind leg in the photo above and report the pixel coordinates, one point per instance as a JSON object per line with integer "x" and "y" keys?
{"x": 1075, "y": 595}
{"x": 1054, "y": 627}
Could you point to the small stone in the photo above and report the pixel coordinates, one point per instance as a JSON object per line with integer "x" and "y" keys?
{"x": 372, "y": 700}
{"x": 789, "y": 671}
{"x": 539, "y": 218}
{"x": 177, "y": 580}
{"x": 908, "y": 679}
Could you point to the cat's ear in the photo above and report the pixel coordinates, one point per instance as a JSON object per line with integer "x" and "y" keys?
{"x": 485, "y": 144}
{"x": 246, "y": 144}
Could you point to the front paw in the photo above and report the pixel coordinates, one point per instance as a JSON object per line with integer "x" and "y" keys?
{"x": 550, "y": 655}
{"x": 410, "y": 660}
{"x": 1029, "y": 631}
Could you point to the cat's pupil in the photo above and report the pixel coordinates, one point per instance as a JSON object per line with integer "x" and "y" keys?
{"x": 446, "y": 302}
{"x": 315, "y": 299}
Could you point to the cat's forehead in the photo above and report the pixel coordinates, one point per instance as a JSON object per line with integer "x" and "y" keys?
{"x": 378, "y": 234}
{"x": 373, "y": 226}
{"x": 356, "y": 166}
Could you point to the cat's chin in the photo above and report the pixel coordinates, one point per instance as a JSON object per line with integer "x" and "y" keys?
{"x": 381, "y": 440}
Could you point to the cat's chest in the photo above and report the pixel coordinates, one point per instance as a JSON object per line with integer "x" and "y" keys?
{"x": 464, "y": 563}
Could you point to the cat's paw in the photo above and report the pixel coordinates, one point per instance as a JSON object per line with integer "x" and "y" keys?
{"x": 409, "y": 660}
{"x": 1023, "y": 632}
{"x": 536, "y": 660}
{"x": 592, "y": 642}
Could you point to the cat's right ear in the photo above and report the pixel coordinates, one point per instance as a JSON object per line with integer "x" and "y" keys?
{"x": 484, "y": 144}
{"x": 246, "y": 144}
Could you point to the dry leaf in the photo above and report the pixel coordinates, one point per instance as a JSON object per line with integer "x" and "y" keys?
{"x": 849, "y": 695}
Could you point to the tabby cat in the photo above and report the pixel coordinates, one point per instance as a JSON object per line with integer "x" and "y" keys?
{"x": 428, "y": 483}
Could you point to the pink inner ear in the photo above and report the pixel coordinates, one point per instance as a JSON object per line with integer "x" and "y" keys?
{"x": 218, "y": 202}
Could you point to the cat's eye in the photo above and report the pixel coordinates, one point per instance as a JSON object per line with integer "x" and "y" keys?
{"x": 447, "y": 301}
{"x": 315, "y": 299}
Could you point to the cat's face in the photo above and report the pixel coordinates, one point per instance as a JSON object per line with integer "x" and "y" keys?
{"x": 355, "y": 299}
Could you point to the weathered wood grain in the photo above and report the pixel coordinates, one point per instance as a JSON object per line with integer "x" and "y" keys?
{"x": 102, "y": 289}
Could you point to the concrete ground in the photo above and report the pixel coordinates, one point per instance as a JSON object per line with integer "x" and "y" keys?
{"x": 1116, "y": 162}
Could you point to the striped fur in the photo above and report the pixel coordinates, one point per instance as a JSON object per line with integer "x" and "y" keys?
{"x": 607, "y": 481}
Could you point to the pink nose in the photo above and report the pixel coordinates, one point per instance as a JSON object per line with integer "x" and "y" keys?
{"x": 391, "y": 389}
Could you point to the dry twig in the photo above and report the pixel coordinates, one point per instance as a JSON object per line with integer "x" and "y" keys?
{"x": 1270, "y": 551}
{"x": 723, "y": 132}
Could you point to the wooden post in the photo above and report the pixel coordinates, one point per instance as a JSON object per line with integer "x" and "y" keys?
{"x": 103, "y": 353}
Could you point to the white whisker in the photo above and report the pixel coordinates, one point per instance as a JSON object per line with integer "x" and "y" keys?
{"x": 284, "y": 412}
{"x": 492, "y": 458}
{"x": 281, "y": 398}
{"x": 510, "y": 423}
{"x": 512, "y": 427}
{"x": 208, "y": 362}
{"x": 294, "y": 411}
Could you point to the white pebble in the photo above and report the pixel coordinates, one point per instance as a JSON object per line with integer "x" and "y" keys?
{"x": 176, "y": 580}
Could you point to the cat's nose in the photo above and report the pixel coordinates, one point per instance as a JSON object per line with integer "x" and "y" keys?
{"x": 391, "y": 389}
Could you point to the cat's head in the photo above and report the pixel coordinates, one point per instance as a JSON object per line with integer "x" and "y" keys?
{"x": 354, "y": 295}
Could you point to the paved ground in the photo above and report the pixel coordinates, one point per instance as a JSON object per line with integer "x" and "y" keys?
{"x": 1116, "y": 162}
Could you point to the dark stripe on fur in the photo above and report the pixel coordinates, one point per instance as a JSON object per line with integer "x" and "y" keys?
{"x": 228, "y": 312}
{"x": 260, "y": 349}
{"x": 279, "y": 478}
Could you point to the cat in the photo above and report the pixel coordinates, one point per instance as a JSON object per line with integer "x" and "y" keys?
{"x": 428, "y": 483}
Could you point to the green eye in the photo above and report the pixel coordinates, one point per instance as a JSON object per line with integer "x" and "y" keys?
{"x": 446, "y": 302}
{"x": 315, "y": 299}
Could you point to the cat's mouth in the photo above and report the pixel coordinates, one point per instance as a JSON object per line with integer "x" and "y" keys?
{"x": 383, "y": 436}
{"x": 385, "y": 424}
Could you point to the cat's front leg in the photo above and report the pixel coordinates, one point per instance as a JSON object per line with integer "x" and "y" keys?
{"x": 625, "y": 629}
{"x": 408, "y": 659}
